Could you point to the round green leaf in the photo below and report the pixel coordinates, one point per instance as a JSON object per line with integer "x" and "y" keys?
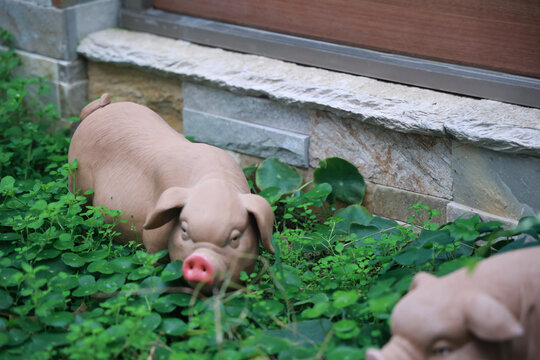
{"x": 111, "y": 283}
{"x": 17, "y": 336}
{"x": 141, "y": 272}
{"x": 5, "y": 300}
{"x": 345, "y": 298}
{"x": 346, "y": 329}
{"x": 101, "y": 266}
{"x": 151, "y": 322}
{"x": 273, "y": 173}
{"x": 316, "y": 311}
{"x": 73, "y": 260}
{"x": 122, "y": 265}
{"x": 10, "y": 236}
{"x": 64, "y": 242}
{"x": 353, "y": 214}
{"x": 347, "y": 183}
{"x": 153, "y": 286}
{"x": 4, "y": 338}
{"x": 96, "y": 255}
{"x": 10, "y": 277}
{"x": 172, "y": 271}
{"x": 163, "y": 305}
{"x": 174, "y": 326}
{"x": 58, "y": 319}
{"x": 47, "y": 254}
{"x": 268, "y": 307}
{"x": 344, "y": 353}
{"x": 6, "y": 184}
{"x": 87, "y": 286}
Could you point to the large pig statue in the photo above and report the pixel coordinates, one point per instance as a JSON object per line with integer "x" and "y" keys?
{"x": 491, "y": 312}
{"x": 192, "y": 199}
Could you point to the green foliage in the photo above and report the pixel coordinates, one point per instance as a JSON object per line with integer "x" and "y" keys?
{"x": 69, "y": 291}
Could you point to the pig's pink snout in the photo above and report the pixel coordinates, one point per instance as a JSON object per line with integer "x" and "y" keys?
{"x": 197, "y": 268}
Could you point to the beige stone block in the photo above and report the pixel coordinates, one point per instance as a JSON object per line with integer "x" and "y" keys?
{"x": 417, "y": 163}
{"x": 455, "y": 210}
{"x": 369, "y": 196}
{"x": 161, "y": 94}
{"x": 394, "y": 203}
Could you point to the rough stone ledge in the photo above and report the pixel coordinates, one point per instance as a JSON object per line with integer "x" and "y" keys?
{"x": 397, "y": 107}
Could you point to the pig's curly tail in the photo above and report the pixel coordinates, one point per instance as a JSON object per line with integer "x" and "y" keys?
{"x": 104, "y": 100}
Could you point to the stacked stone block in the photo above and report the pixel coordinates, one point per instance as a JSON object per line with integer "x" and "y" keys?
{"x": 453, "y": 153}
{"x": 46, "y": 34}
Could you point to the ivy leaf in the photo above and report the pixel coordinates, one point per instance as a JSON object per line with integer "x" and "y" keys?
{"x": 274, "y": 173}
{"x": 347, "y": 184}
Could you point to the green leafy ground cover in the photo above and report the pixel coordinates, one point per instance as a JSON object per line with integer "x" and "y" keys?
{"x": 67, "y": 291}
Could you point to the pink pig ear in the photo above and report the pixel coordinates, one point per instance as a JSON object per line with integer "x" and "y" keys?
{"x": 490, "y": 320}
{"x": 262, "y": 211}
{"x": 167, "y": 207}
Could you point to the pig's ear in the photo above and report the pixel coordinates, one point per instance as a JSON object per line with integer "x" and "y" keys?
{"x": 490, "y": 320}
{"x": 262, "y": 211}
{"x": 421, "y": 278}
{"x": 167, "y": 207}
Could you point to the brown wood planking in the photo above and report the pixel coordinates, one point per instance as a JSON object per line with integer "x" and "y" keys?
{"x": 501, "y": 35}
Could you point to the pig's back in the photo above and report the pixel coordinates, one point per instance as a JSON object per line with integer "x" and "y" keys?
{"x": 120, "y": 128}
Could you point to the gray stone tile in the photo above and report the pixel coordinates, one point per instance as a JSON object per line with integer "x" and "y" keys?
{"x": 73, "y": 97}
{"x": 257, "y": 110}
{"x": 55, "y": 32}
{"x": 66, "y": 71}
{"x": 394, "y": 203}
{"x": 251, "y": 139}
{"x": 417, "y": 163}
{"x": 502, "y": 184}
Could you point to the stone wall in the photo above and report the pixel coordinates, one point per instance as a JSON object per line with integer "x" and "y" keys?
{"x": 46, "y": 38}
{"x": 453, "y": 153}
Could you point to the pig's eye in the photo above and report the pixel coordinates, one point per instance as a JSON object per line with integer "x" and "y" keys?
{"x": 442, "y": 348}
{"x": 235, "y": 235}
{"x": 183, "y": 229}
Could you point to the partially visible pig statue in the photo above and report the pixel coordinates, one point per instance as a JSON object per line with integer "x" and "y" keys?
{"x": 491, "y": 312}
{"x": 192, "y": 199}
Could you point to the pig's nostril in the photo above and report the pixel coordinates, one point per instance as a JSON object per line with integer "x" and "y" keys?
{"x": 198, "y": 268}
